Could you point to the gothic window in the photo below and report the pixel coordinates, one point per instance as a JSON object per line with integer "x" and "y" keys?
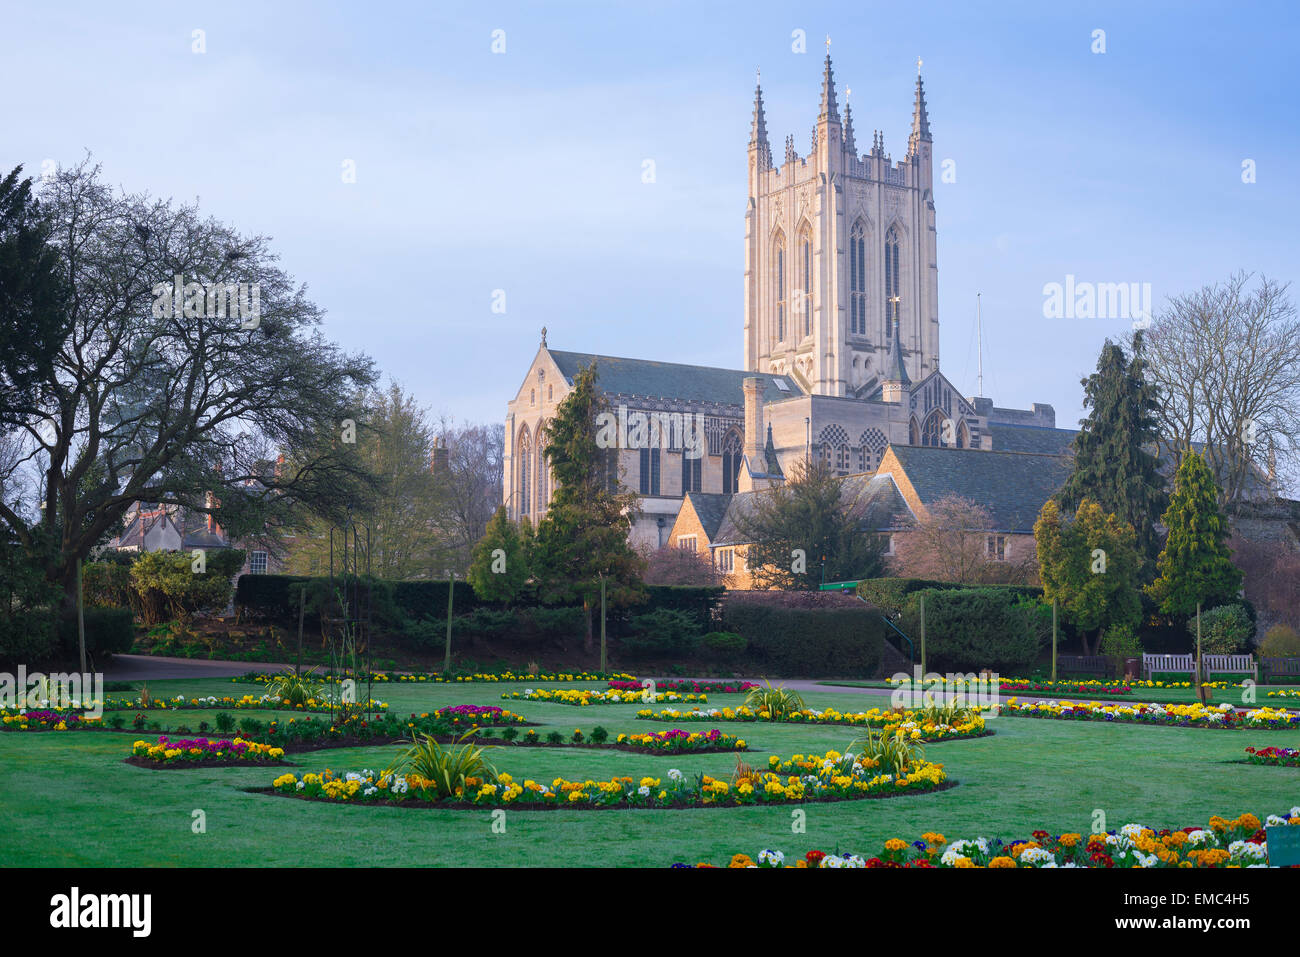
{"x": 963, "y": 436}
{"x": 892, "y": 287}
{"x": 826, "y": 454}
{"x": 543, "y": 474}
{"x": 842, "y": 458}
{"x": 778, "y": 250}
{"x": 834, "y": 442}
{"x": 731, "y": 453}
{"x": 649, "y": 471}
{"x": 692, "y": 469}
{"x": 932, "y": 433}
{"x": 525, "y": 459}
{"x": 805, "y": 281}
{"x": 913, "y": 434}
{"x": 858, "y": 280}
{"x": 871, "y": 450}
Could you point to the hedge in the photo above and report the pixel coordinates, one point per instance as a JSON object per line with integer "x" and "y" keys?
{"x": 811, "y": 642}
{"x": 892, "y": 594}
{"x": 109, "y": 631}
{"x": 973, "y": 629}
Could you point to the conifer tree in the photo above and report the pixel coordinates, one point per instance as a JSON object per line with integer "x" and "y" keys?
{"x": 500, "y": 567}
{"x": 1114, "y": 453}
{"x": 1195, "y": 565}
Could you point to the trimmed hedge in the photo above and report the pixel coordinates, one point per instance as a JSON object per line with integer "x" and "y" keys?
{"x": 814, "y": 642}
{"x": 972, "y": 629}
{"x": 109, "y": 631}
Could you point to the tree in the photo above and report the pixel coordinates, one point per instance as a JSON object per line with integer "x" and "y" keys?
{"x": 681, "y": 566}
{"x": 147, "y": 402}
{"x": 470, "y": 484}
{"x": 1114, "y": 461}
{"x": 1195, "y": 565}
{"x": 33, "y": 298}
{"x": 582, "y": 539}
{"x": 501, "y": 565}
{"x": 1226, "y": 360}
{"x": 408, "y": 513}
{"x": 807, "y": 530}
{"x": 950, "y": 543}
{"x": 1091, "y": 567}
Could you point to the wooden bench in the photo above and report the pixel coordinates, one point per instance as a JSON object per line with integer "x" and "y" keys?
{"x": 1230, "y": 665}
{"x": 1289, "y": 667}
{"x": 1168, "y": 664}
{"x": 1083, "y": 664}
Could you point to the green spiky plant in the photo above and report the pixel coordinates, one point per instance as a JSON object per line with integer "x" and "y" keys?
{"x": 295, "y": 689}
{"x": 894, "y": 753}
{"x": 777, "y": 702}
{"x": 447, "y": 767}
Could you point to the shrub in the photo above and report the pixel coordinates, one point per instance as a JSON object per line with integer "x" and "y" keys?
{"x": 109, "y": 631}
{"x": 1224, "y": 630}
{"x": 295, "y": 689}
{"x": 973, "y": 629}
{"x": 168, "y": 587}
{"x": 1281, "y": 641}
{"x": 723, "y": 645}
{"x": 664, "y": 632}
{"x": 562, "y": 622}
{"x": 777, "y": 702}
{"x": 1120, "y": 642}
{"x": 225, "y": 722}
{"x": 485, "y": 622}
{"x": 816, "y": 639}
{"x": 107, "y": 584}
{"x": 448, "y": 768}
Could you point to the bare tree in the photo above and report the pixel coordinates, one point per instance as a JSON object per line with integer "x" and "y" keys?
{"x": 472, "y": 482}
{"x": 1226, "y": 359}
{"x": 951, "y": 544}
{"x": 680, "y": 566}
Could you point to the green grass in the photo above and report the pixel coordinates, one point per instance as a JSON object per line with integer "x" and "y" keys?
{"x": 1030, "y": 774}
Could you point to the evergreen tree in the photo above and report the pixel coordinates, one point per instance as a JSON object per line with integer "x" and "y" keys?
{"x": 803, "y": 532}
{"x": 1090, "y": 566}
{"x": 500, "y": 567}
{"x": 1195, "y": 565}
{"x": 582, "y": 539}
{"x": 1114, "y": 453}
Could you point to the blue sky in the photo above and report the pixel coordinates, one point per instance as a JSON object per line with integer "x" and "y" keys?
{"x": 522, "y": 171}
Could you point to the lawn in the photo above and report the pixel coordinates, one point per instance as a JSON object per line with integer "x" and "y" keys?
{"x": 69, "y": 800}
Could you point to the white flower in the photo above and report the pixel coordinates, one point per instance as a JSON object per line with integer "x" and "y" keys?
{"x": 1145, "y": 860}
{"x": 643, "y": 791}
{"x": 674, "y": 774}
{"x": 771, "y": 858}
{"x": 1132, "y": 831}
{"x": 300, "y": 785}
{"x": 1275, "y": 820}
{"x": 1245, "y": 849}
{"x": 1037, "y": 855}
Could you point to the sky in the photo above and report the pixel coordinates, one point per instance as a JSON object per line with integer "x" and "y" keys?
{"x": 521, "y": 171}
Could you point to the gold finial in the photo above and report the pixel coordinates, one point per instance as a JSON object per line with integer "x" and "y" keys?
{"x": 828, "y": 44}
{"x": 848, "y": 91}
{"x": 918, "y": 66}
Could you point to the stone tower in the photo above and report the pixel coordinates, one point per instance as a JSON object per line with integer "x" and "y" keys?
{"x": 840, "y": 251}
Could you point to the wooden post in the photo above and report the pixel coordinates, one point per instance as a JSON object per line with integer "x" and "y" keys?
{"x": 81, "y": 620}
{"x": 302, "y": 608}
{"x": 603, "y": 664}
{"x": 1200, "y": 675}
{"x": 1053, "y": 639}
{"x": 451, "y": 596}
{"x": 923, "y": 637}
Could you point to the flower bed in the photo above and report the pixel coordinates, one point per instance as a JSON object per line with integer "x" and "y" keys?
{"x": 689, "y": 685}
{"x": 378, "y": 677}
{"x": 1060, "y": 686}
{"x": 1241, "y": 842}
{"x": 915, "y": 724}
{"x": 844, "y": 780}
{"x": 681, "y": 742}
{"x": 44, "y": 720}
{"x": 1278, "y": 757}
{"x": 580, "y": 697}
{"x": 475, "y": 716}
{"x": 266, "y": 702}
{"x": 207, "y": 752}
{"x": 1175, "y": 715}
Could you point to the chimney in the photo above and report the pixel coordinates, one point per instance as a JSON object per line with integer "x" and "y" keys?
{"x": 753, "y": 418}
{"x": 210, "y": 502}
{"x": 440, "y": 460}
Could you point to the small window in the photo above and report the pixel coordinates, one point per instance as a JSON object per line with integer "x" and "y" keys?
{"x": 532, "y": 396}
{"x": 550, "y": 392}
{"x": 996, "y": 547}
{"x": 257, "y": 563}
{"x": 889, "y": 545}
{"x": 686, "y": 542}
{"x": 726, "y": 559}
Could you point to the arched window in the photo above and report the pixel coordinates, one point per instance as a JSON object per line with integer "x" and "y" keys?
{"x": 963, "y": 436}
{"x": 871, "y": 450}
{"x": 913, "y": 433}
{"x": 932, "y": 434}
{"x": 543, "y": 474}
{"x": 779, "y": 292}
{"x": 524, "y": 454}
{"x": 692, "y": 469}
{"x": 858, "y": 280}
{"x": 731, "y": 453}
{"x": 892, "y": 288}
{"x": 805, "y": 280}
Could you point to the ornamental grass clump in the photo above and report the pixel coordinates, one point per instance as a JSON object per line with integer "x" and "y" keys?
{"x": 777, "y": 702}
{"x": 445, "y": 768}
{"x": 892, "y": 752}
{"x": 296, "y": 689}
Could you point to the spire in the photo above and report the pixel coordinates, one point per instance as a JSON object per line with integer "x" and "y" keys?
{"x": 829, "y": 110}
{"x": 920, "y": 118}
{"x": 895, "y": 370}
{"x": 850, "y": 143}
{"x": 758, "y": 130}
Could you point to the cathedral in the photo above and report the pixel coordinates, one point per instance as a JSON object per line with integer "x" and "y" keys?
{"x": 841, "y": 360}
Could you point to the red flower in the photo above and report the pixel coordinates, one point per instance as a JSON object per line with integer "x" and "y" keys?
{"x": 814, "y": 857}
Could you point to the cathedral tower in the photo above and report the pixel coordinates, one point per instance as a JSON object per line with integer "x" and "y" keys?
{"x": 840, "y": 254}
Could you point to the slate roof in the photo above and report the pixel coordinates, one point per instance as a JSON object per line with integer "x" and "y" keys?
{"x": 877, "y": 495}
{"x": 710, "y": 508}
{"x": 1012, "y": 485}
{"x": 671, "y": 380}
{"x": 1031, "y": 438}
